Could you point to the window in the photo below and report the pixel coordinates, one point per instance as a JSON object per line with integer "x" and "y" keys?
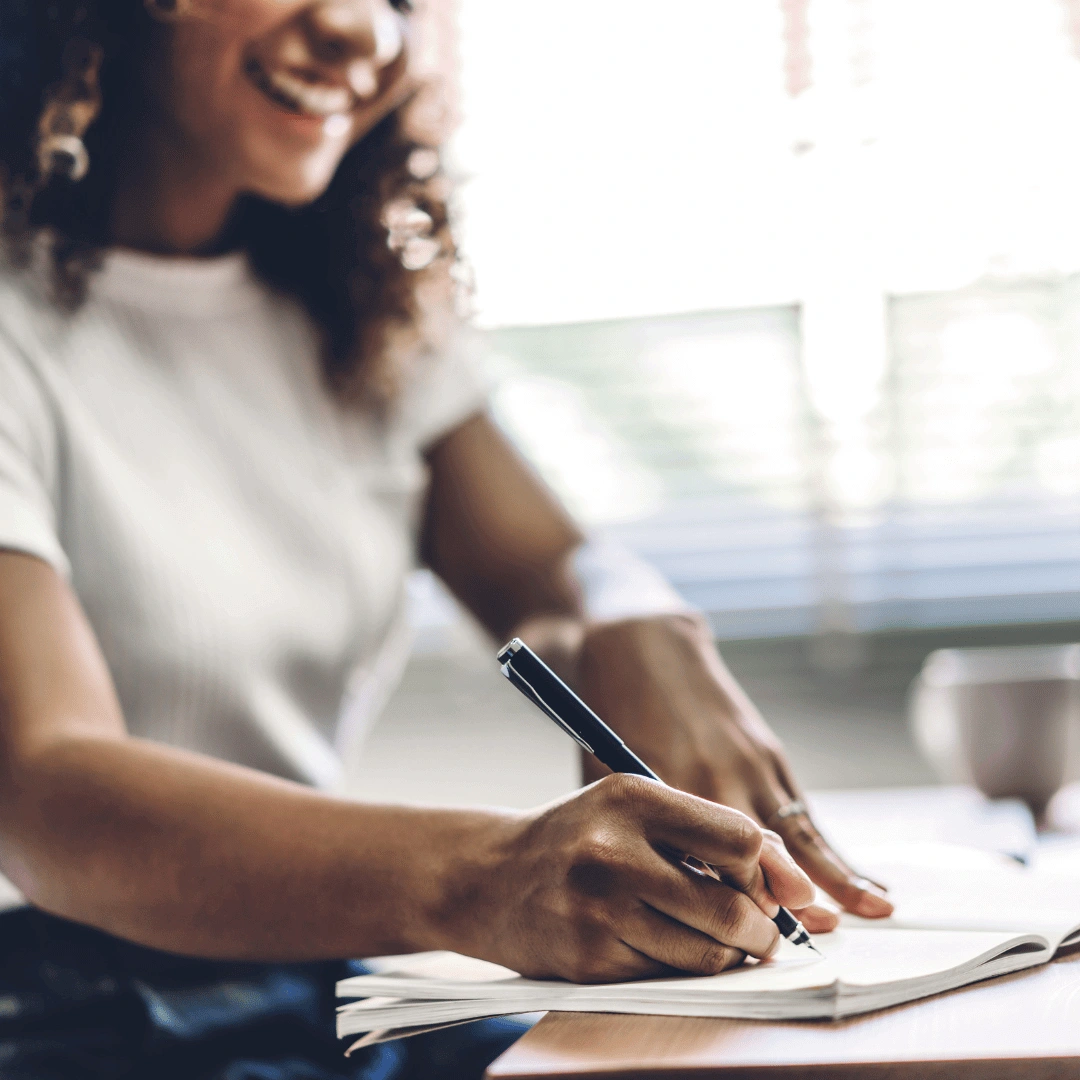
{"x": 871, "y": 415}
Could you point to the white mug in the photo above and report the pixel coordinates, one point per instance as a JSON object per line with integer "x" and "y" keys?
{"x": 1005, "y": 719}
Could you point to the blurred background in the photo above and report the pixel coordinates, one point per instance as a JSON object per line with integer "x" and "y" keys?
{"x": 785, "y": 296}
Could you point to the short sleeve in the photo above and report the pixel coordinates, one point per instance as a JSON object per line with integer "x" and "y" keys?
{"x": 446, "y": 389}
{"x": 28, "y": 461}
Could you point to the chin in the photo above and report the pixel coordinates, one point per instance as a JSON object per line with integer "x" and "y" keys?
{"x": 293, "y": 196}
{"x": 297, "y": 182}
{"x": 291, "y": 191}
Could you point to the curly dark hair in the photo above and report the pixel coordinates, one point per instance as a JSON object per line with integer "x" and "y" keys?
{"x": 371, "y": 260}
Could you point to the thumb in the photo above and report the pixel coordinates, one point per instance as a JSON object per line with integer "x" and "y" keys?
{"x": 784, "y": 878}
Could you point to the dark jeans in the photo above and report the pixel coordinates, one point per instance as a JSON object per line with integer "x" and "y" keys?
{"x": 77, "y": 1004}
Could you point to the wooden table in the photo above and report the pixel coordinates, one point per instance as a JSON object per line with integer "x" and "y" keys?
{"x": 1020, "y": 1027}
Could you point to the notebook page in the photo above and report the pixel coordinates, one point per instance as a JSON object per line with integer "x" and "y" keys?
{"x": 937, "y": 886}
{"x": 855, "y": 956}
{"x": 863, "y": 969}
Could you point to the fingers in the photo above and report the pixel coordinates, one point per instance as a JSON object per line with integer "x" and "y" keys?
{"x": 615, "y": 961}
{"x": 677, "y": 946}
{"x": 724, "y": 838}
{"x": 813, "y": 853}
{"x": 785, "y": 880}
{"x": 817, "y": 919}
{"x": 709, "y": 907}
{"x": 827, "y": 869}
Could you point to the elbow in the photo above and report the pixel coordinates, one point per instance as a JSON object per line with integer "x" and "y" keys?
{"x": 50, "y": 847}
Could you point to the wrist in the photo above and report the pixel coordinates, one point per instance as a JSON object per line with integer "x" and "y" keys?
{"x": 466, "y": 875}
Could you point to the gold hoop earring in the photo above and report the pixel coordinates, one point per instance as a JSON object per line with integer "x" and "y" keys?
{"x": 64, "y": 155}
{"x": 72, "y": 109}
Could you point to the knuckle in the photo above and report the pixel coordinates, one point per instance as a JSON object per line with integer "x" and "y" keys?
{"x": 626, "y": 790}
{"x": 598, "y": 844}
{"x": 596, "y": 964}
{"x": 724, "y": 915}
{"x": 716, "y": 957}
{"x": 746, "y": 837}
{"x": 733, "y": 959}
{"x": 600, "y": 848}
{"x": 732, "y": 915}
{"x": 580, "y": 970}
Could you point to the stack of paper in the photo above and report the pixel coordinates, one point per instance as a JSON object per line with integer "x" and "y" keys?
{"x": 960, "y": 917}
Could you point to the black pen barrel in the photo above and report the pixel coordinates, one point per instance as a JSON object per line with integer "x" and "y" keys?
{"x": 603, "y": 742}
{"x": 623, "y": 759}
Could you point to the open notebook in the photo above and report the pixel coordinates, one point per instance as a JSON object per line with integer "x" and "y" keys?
{"x": 961, "y": 916}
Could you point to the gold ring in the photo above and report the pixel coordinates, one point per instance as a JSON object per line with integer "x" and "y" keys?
{"x": 791, "y": 809}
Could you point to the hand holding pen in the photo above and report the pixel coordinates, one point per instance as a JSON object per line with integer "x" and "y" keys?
{"x": 586, "y": 888}
{"x": 550, "y": 694}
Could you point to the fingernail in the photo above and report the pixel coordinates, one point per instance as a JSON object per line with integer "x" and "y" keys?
{"x": 872, "y": 886}
{"x": 873, "y": 906}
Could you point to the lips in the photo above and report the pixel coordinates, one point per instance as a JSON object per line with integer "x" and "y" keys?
{"x": 298, "y": 95}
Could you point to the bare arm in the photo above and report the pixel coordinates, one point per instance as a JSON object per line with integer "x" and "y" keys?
{"x": 176, "y": 850}
{"x": 498, "y": 537}
{"x": 504, "y": 544}
{"x": 180, "y": 852}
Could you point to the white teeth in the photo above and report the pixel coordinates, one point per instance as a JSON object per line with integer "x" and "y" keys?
{"x": 317, "y": 100}
{"x": 337, "y": 126}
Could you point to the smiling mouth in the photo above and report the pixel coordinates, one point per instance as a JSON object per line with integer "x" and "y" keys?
{"x": 297, "y": 95}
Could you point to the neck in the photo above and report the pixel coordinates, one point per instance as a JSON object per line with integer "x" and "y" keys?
{"x": 168, "y": 201}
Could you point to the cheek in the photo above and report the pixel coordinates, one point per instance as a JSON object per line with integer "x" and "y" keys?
{"x": 205, "y": 91}
{"x": 204, "y": 58}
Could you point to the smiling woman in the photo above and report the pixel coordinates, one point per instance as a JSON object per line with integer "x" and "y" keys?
{"x": 247, "y": 127}
{"x": 235, "y": 411}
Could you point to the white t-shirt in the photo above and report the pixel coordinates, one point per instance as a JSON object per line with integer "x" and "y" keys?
{"x": 239, "y": 540}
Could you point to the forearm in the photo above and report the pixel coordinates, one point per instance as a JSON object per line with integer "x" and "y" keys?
{"x": 180, "y": 852}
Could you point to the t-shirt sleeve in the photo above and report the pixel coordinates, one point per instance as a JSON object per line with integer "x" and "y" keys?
{"x": 28, "y": 462}
{"x": 446, "y": 389}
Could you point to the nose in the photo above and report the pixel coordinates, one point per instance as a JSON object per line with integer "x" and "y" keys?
{"x": 359, "y": 36}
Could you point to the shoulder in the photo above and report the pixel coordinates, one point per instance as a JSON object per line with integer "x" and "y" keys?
{"x": 445, "y": 387}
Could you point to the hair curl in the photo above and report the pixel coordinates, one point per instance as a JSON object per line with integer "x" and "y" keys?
{"x": 372, "y": 259}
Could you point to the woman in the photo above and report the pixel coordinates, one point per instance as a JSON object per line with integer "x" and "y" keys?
{"x": 234, "y": 407}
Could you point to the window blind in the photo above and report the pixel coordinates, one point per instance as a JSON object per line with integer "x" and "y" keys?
{"x": 694, "y": 439}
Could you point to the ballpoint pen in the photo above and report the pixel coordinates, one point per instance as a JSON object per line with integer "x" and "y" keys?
{"x": 553, "y": 697}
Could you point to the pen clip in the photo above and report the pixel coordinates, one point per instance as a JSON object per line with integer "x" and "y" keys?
{"x": 527, "y": 689}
